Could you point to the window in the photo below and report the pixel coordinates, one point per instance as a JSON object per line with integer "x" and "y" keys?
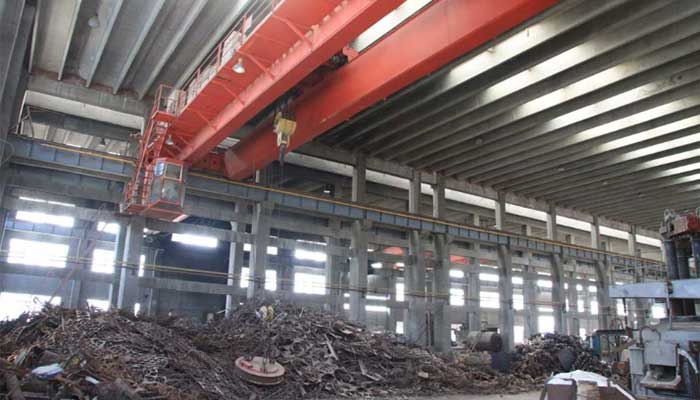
{"x": 317, "y": 256}
{"x": 56, "y": 203}
{"x": 43, "y": 254}
{"x": 488, "y": 277}
{"x": 518, "y": 333}
{"x": 111, "y": 227}
{"x": 545, "y": 323}
{"x": 517, "y": 280}
{"x": 582, "y": 332}
{"x": 579, "y": 288}
{"x": 309, "y": 283}
{"x": 14, "y": 304}
{"x": 376, "y": 265}
{"x": 195, "y": 240}
{"x": 456, "y": 297}
{"x": 488, "y": 300}
{"x": 580, "y": 305}
{"x": 400, "y": 293}
{"x": 621, "y": 308}
{"x": 103, "y": 261}
{"x": 270, "y": 278}
{"x": 456, "y": 273}
{"x": 544, "y": 284}
{"x": 346, "y": 306}
{"x": 658, "y": 311}
{"x": 271, "y": 250}
{"x": 592, "y": 289}
{"x": 102, "y": 305}
{"x": 518, "y": 302}
{"x": 42, "y": 218}
{"x": 399, "y": 327}
{"x": 594, "y": 307}
{"x": 453, "y": 331}
{"x": 372, "y": 308}
{"x": 376, "y": 297}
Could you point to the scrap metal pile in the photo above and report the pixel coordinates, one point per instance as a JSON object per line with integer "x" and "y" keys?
{"x": 88, "y": 354}
{"x": 550, "y": 353}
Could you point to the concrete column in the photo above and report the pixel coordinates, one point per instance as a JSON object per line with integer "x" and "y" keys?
{"x": 574, "y": 320}
{"x": 441, "y": 274}
{"x": 258, "y": 252}
{"x": 606, "y": 312}
{"x": 79, "y": 256}
{"x": 415, "y": 280}
{"x": 358, "y": 271}
{"x": 505, "y": 294}
{"x": 119, "y": 244}
{"x": 390, "y": 276}
{"x": 150, "y": 295}
{"x": 500, "y": 211}
{"x": 552, "y": 230}
{"x": 558, "y": 302}
{"x": 640, "y": 305}
{"x": 595, "y": 233}
{"x": 285, "y": 273}
{"x": 414, "y": 193}
{"x": 359, "y": 179}
{"x": 441, "y": 294}
{"x": 128, "y": 282}
{"x": 439, "y": 202}
{"x": 474, "y": 286}
{"x": 235, "y": 263}
{"x": 333, "y": 269}
{"x": 530, "y": 300}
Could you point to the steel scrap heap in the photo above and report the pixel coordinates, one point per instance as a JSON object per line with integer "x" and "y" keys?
{"x": 551, "y": 353}
{"x": 87, "y": 354}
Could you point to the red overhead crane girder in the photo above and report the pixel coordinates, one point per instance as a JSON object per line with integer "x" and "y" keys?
{"x": 318, "y": 36}
{"x": 443, "y": 31}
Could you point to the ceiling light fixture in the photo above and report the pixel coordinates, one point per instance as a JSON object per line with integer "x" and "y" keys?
{"x": 94, "y": 22}
{"x": 239, "y": 68}
{"x": 169, "y": 141}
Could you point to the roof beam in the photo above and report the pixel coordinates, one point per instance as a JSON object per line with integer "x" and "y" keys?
{"x": 441, "y": 32}
{"x": 69, "y": 39}
{"x": 223, "y": 27}
{"x": 111, "y": 8}
{"x": 478, "y": 121}
{"x": 82, "y": 125}
{"x": 192, "y": 15}
{"x": 135, "y": 47}
{"x": 507, "y": 63}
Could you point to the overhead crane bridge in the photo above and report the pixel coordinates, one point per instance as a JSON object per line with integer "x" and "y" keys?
{"x": 272, "y": 47}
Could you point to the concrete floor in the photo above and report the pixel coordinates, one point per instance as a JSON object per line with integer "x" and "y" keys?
{"x": 519, "y": 396}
